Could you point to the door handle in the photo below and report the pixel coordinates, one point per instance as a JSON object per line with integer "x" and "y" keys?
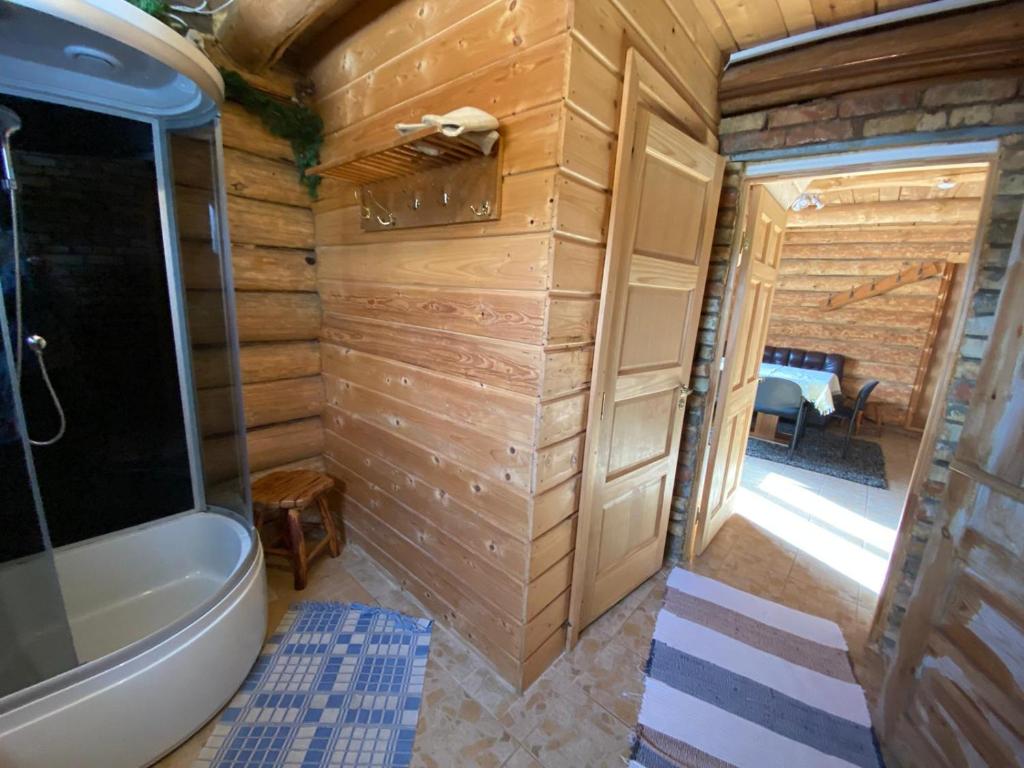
{"x": 684, "y": 392}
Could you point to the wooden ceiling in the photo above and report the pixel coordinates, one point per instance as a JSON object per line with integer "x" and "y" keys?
{"x": 900, "y": 185}
{"x": 738, "y": 24}
{"x": 948, "y": 195}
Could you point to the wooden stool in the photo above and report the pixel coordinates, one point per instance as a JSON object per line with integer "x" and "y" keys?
{"x": 291, "y": 492}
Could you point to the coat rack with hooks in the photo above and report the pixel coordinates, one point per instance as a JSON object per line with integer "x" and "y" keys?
{"x": 423, "y": 179}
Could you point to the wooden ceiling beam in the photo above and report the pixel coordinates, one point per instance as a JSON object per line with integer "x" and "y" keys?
{"x": 973, "y": 174}
{"x": 939, "y": 211}
{"x": 256, "y": 33}
{"x": 946, "y": 251}
{"x": 899, "y": 233}
{"x": 956, "y": 44}
{"x": 278, "y": 81}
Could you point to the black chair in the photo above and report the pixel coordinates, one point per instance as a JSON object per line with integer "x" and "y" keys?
{"x": 850, "y": 411}
{"x": 782, "y": 398}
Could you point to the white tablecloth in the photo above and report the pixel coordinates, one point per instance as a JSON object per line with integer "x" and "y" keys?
{"x": 816, "y": 386}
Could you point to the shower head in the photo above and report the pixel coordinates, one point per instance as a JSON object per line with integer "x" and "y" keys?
{"x": 9, "y": 122}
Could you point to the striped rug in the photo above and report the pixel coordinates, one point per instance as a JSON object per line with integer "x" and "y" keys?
{"x": 736, "y": 680}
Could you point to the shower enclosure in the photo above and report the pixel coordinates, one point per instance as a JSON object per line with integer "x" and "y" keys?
{"x": 132, "y": 599}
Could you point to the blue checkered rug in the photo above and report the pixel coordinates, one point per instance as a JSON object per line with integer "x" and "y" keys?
{"x": 336, "y": 685}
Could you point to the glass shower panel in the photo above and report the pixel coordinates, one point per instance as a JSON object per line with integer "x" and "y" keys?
{"x": 209, "y": 307}
{"x": 94, "y": 285}
{"x": 35, "y": 640}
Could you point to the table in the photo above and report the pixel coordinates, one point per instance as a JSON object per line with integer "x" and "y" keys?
{"x": 817, "y": 387}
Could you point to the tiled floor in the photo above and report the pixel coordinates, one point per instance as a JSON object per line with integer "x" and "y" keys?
{"x": 791, "y": 529}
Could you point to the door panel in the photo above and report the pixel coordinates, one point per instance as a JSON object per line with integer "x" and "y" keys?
{"x": 662, "y": 221}
{"x": 645, "y": 310}
{"x": 629, "y": 521}
{"x": 748, "y": 329}
{"x": 640, "y": 432}
{"x": 657, "y": 207}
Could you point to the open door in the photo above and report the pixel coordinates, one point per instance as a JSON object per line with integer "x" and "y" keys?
{"x": 757, "y": 276}
{"x": 952, "y": 694}
{"x": 664, "y": 205}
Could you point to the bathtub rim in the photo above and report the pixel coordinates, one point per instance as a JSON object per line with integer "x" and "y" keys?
{"x": 51, "y": 685}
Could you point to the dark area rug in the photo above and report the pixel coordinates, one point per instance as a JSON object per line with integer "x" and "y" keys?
{"x": 821, "y": 451}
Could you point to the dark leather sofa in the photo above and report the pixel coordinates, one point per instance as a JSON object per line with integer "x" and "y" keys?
{"x": 800, "y": 358}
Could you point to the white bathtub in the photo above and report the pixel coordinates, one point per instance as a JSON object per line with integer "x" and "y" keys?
{"x": 166, "y": 619}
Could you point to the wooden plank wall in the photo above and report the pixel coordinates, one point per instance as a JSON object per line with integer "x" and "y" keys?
{"x": 457, "y": 359}
{"x": 881, "y": 337}
{"x": 278, "y": 308}
{"x": 439, "y": 343}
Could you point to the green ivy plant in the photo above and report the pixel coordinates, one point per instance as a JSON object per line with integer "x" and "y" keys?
{"x": 296, "y": 123}
{"x": 159, "y": 10}
{"x": 153, "y": 7}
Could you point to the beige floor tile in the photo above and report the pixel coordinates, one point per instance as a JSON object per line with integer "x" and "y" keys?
{"x": 612, "y": 675}
{"x": 816, "y": 576}
{"x": 522, "y": 759}
{"x": 556, "y": 690}
{"x": 610, "y": 623}
{"x": 455, "y": 730}
{"x": 487, "y": 687}
{"x": 818, "y": 601}
{"x": 580, "y": 733}
{"x": 451, "y": 652}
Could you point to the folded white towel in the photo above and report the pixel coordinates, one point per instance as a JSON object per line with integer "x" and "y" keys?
{"x": 469, "y": 122}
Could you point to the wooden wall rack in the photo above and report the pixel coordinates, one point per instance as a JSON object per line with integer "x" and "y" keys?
{"x": 423, "y": 179}
{"x": 913, "y": 274}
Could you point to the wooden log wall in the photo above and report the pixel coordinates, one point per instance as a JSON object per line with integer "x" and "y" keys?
{"x": 436, "y": 341}
{"x": 457, "y": 359}
{"x": 850, "y": 242}
{"x": 277, "y": 305}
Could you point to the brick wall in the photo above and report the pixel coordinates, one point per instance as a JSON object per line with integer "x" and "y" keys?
{"x": 700, "y": 375}
{"x": 912, "y": 113}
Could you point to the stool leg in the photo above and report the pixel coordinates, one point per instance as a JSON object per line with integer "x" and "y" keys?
{"x": 329, "y": 527}
{"x": 297, "y": 544}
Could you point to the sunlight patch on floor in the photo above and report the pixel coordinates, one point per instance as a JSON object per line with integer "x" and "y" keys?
{"x": 832, "y": 513}
{"x": 776, "y": 516}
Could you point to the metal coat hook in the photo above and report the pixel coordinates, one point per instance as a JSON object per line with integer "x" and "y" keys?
{"x": 389, "y": 219}
{"x": 483, "y": 210}
{"x": 364, "y": 211}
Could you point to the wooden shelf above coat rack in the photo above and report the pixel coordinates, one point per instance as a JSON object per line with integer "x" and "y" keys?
{"x": 423, "y": 179}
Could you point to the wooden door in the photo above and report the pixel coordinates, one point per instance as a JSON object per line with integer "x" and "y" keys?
{"x": 954, "y": 694}
{"x": 757, "y": 275}
{"x": 663, "y": 212}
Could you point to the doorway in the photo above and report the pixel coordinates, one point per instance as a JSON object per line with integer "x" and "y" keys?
{"x": 850, "y": 270}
